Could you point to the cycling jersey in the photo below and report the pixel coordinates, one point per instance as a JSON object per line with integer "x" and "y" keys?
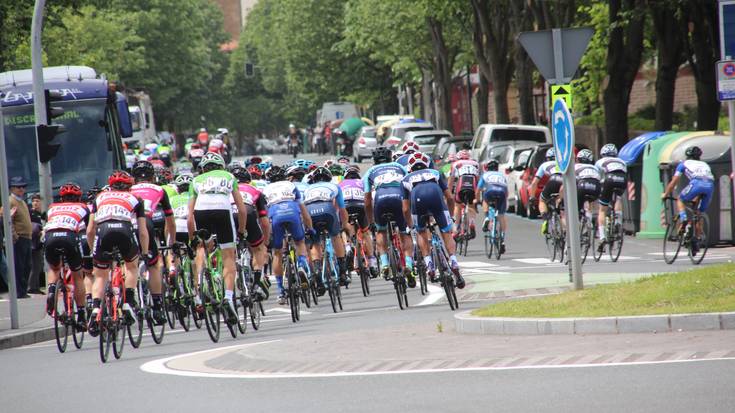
{"x": 701, "y": 182}
{"x": 152, "y": 195}
{"x": 180, "y": 205}
{"x": 171, "y": 190}
{"x": 385, "y": 175}
{"x": 547, "y": 168}
{"x": 115, "y": 212}
{"x": 67, "y": 216}
{"x": 386, "y": 179}
{"x": 353, "y": 190}
{"x": 494, "y": 189}
{"x": 611, "y": 164}
{"x": 465, "y": 173}
{"x": 117, "y": 206}
{"x": 212, "y": 190}
{"x": 64, "y": 223}
{"x": 259, "y": 183}
{"x": 164, "y": 150}
{"x": 588, "y": 183}
{"x": 614, "y": 170}
{"x": 151, "y": 147}
{"x": 284, "y": 199}
{"x": 322, "y": 200}
{"x": 324, "y": 192}
{"x": 254, "y": 197}
{"x": 425, "y": 190}
{"x": 196, "y": 153}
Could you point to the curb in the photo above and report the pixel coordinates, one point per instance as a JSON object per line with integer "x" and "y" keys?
{"x": 466, "y": 323}
{"x": 26, "y": 337}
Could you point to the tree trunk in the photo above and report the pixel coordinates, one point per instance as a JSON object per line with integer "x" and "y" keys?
{"x": 426, "y": 102}
{"x": 522, "y": 15}
{"x": 483, "y": 94}
{"x": 703, "y": 51}
{"x": 670, "y": 47}
{"x": 443, "y": 63}
{"x": 624, "y": 52}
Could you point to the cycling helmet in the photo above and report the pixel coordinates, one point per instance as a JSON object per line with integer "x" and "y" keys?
{"x": 396, "y": 156}
{"x": 255, "y": 172}
{"x": 343, "y": 160}
{"x": 264, "y": 166}
{"x": 143, "y": 170}
{"x": 183, "y": 181}
{"x": 302, "y": 163}
{"x": 463, "y": 155}
{"x": 120, "y": 180}
{"x": 295, "y": 172}
{"x": 254, "y": 160}
{"x": 418, "y": 161}
{"x": 410, "y": 147}
{"x": 550, "y": 154}
{"x": 320, "y": 174}
{"x": 212, "y": 161}
{"x": 92, "y": 193}
{"x": 328, "y": 163}
{"x": 609, "y": 150}
{"x": 381, "y": 154}
{"x": 492, "y": 165}
{"x": 70, "y": 190}
{"x": 275, "y": 174}
{"x": 234, "y": 165}
{"x": 585, "y": 156}
{"x": 352, "y": 172}
{"x": 312, "y": 167}
{"x": 693, "y": 152}
{"x": 241, "y": 174}
{"x": 163, "y": 176}
{"x": 337, "y": 169}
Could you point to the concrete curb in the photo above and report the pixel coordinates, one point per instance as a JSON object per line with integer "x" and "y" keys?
{"x": 25, "y": 338}
{"x": 466, "y": 323}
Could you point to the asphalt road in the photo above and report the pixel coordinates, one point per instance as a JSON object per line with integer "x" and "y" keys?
{"x": 375, "y": 357}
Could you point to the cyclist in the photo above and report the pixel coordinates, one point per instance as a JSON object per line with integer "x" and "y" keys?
{"x": 385, "y": 178}
{"x": 425, "y": 192}
{"x": 588, "y": 179}
{"x": 701, "y": 186}
{"x": 195, "y": 155}
{"x": 153, "y": 195}
{"x": 297, "y": 175}
{"x": 203, "y": 138}
{"x": 294, "y": 138}
{"x": 256, "y": 176}
{"x": 353, "y": 191}
{"x": 550, "y": 172}
{"x": 164, "y": 151}
{"x": 493, "y": 188}
{"x": 406, "y": 150}
{"x": 614, "y": 171}
{"x": 65, "y": 221}
{"x": 286, "y": 209}
{"x": 180, "y": 206}
{"x": 209, "y": 209}
{"x": 463, "y": 177}
{"x": 115, "y": 211}
{"x": 258, "y": 224}
{"x": 326, "y": 205}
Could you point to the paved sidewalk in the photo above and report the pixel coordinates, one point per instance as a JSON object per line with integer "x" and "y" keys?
{"x": 35, "y": 326}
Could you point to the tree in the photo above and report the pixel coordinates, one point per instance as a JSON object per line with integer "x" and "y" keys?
{"x": 522, "y": 20}
{"x": 667, "y": 24}
{"x": 624, "y": 53}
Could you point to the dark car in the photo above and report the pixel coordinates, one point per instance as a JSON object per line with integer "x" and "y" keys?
{"x": 446, "y": 147}
{"x": 527, "y": 166}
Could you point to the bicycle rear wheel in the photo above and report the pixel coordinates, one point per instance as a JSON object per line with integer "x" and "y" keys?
{"x": 212, "y": 316}
{"x": 77, "y": 330}
{"x": 118, "y": 333}
{"x": 255, "y": 314}
{"x": 672, "y": 241}
{"x": 585, "y": 239}
{"x": 169, "y": 306}
{"x": 241, "y": 306}
{"x": 105, "y": 326}
{"x": 157, "y": 331}
{"x": 61, "y": 316}
{"x": 615, "y": 241}
{"x": 496, "y": 240}
{"x": 362, "y": 271}
{"x": 420, "y": 267}
{"x": 703, "y": 240}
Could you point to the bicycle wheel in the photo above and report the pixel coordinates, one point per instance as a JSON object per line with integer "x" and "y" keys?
{"x": 77, "y": 331}
{"x": 313, "y": 289}
{"x": 615, "y": 240}
{"x": 168, "y": 304}
{"x": 597, "y": 251}
{"x": 135, "y": 331}
{"x": 489, "y": 245}
{"x": 672, "y": 241}
{"x": 241, "y": 305}
{"x": 197, "y": 318}
{"x": 105, "y": 331}
{"x": 362, "y": 272}
{"x": 496, "y": 240}
{"x": 118, "y": 333}
{"x": 420, "y": 267}
{"x": 702, "y": 240}
{"x": 212, "y": 314}
{"x": 157, "y": 331}
{"x": 331, "y": 289}
{"x": 61, "y": 316}
{"x": 255, "y": 313}
{"x": 305, "y": 294}
{"x": 584, "y": 238}
{"x": 396, "y": 275}
{"x": 294, "y": 300}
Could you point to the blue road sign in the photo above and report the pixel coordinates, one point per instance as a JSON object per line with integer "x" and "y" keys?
{"x": 563, "y": 134}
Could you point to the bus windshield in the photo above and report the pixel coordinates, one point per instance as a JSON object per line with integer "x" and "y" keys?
{"x": 84, "y": 156}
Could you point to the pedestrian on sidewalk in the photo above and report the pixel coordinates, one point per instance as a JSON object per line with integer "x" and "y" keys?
{"x": 38, "y": 220}
{"x": 22, "y": 233}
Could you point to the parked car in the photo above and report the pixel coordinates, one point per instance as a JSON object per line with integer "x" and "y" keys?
{"x": 489, "y": 133}
{"x": 449, "y": 147}
{"x": 427, "y": 140}
{"x": 526, "y": 166}
{"x": 399, "y": 130}
{"x": 265, "y": 146}
{"x": 364, "y": 143}
{"x": 507, "y": 153}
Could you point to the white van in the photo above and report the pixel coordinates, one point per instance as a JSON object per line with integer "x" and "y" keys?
{"x": 490, "y": 133}
{"x": 332, "y": 111}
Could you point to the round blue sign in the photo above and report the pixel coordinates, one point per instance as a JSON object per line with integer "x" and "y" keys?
{"x": 563, "y": 129}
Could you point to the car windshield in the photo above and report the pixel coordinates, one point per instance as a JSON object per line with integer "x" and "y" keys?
{"x": 501, "y": 153}
{"x": 84, "y": 156}
{"x": 504, "y": 135}
{"x": 368, "y": 133}
{"x": 428, "y": 139}
{"x": 401, "y": 132}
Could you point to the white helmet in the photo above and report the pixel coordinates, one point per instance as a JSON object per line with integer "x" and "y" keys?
{"x": 223, "y": 131}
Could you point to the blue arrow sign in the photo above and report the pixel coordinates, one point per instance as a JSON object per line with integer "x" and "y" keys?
{"x": 563, "y": 128}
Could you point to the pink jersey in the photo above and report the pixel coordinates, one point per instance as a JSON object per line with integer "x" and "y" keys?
{"x": 151, "y": 195}
{"x": 353, "y": 190}
{"x": 70, "y": 216}
{"x": 250, "y": 194}
{"x": 465, "y": 167}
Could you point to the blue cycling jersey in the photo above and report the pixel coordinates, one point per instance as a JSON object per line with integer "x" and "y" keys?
{"x": 324, "y": 192}
{"x": 694, "y": 169}
{"x": 491, "y": 178}
{"x": 423, "y": 175}
{"x": 385, "y": 175}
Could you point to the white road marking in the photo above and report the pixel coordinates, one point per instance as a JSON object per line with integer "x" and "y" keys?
{"x": 435, "y": 294}
{"x": 533, "y": 260}
{"x": 285, "y": 310}
{"x": 476, "y": 264}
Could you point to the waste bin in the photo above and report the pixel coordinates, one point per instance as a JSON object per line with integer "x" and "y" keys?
{"x": 632, "y": 154}
{"x": 716, "y": 152}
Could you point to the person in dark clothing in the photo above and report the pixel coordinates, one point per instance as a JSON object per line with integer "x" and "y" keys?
{"x": 38, "y": 219}
{"x": 22, "y": 233}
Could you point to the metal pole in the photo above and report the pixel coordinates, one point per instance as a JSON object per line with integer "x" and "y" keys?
{"x": 731, "y": 116}
{"x": 7, "y": 226}
{"x": 730, "y": 103}
{"x": 39, "y": 99}
{"x": 469, "y": 100}
{"x": 570, "y": 183}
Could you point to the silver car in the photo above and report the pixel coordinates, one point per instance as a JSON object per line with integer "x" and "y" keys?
{"x": 427, "y": 139}
{"x": 365, "y": 143}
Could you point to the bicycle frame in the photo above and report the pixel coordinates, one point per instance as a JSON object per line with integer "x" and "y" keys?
{"x": 328, "y": 250}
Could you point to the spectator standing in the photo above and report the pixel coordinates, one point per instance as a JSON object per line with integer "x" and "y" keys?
{"x": 38, "y": 220}
{"x": 319, "y": 139}
{"x": 22, "y": 233}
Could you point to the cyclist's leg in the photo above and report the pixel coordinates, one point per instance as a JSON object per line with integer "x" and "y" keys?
{"x": 54, "y": 240}
{"x": 154, "y": 273}
{"x": 381, "y": 225}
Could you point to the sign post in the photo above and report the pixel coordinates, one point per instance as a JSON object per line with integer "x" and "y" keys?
{"x": 7, "y": 226}
{"x": 39, "y": 101}
{"x": 726, "y": 69}
{"x": 557, "y": 53}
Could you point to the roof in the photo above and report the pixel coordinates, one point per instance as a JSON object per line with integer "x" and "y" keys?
{"x": 428, "y": 132}
{"x": 514, "y": 126}
{"x": 73, "y": 82}
{"x": 401, "y": 125}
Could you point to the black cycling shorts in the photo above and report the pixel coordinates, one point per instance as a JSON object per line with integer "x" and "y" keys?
{"x": 66, "y": 243}
{"x": 111, "y": 235}
{"x": 182, "y": 237}
{"x": 153, "y": 241}
{"x": 217, "y": 222}
{"x": 358, "y": 209}
{"x": 254, "y": 235}
{"x": 86, "y": 252}
{"x": 587, "y": 190}
{"x": 552, "y": 187}
{"x": 614, "y": 184}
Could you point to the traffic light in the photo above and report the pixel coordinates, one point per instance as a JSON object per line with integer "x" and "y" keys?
{"x": 249, "y": 70}
{"x": 46, "y": 133}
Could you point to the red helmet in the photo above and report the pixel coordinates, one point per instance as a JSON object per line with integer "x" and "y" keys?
{"x": 70, "y": 189}
{"x": 255, "y": 172}
{"x": 463, "y": 155}
{"x": 410, "y": 147}
{"x": 418, "y": 160}
{"x": 313, "y": 167}
{"x": 120, "y": 180}
{"x": 214, "y": 148}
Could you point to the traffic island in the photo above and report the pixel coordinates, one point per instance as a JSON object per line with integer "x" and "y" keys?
{"x": 700, "y": 299}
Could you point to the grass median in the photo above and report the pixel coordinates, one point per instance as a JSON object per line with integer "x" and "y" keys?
{"x": 701, "y": 290}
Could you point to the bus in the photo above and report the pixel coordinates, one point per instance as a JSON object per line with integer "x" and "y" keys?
{"x": 95, "y": 116}
{"x": 141, "y": 115}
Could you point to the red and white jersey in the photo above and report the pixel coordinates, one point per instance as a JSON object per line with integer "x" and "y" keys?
{"x": 117, "y": 206}
{"x": 196, "y": 153}
{"x": 465, "y": 167}
{"x": 152, "y": 195}
{"x": 70, "y": 216}
{"x": 216, "y": 143}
